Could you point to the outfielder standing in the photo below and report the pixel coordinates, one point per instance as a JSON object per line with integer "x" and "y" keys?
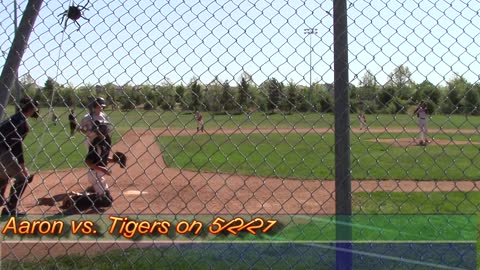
{"x": 200, "y": 123}
{"x": 12, "y": 163}
{"x": 72, "y": 120}
{"x": 363, "y": 121}
{"x": 422, "y": 114}
{"x": 54, "y": 118}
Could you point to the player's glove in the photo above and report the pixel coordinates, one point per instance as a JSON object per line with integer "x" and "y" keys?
{"x": 120, "y": 158}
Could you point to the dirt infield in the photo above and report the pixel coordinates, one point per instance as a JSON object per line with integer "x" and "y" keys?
{"x": 147, "y": 186}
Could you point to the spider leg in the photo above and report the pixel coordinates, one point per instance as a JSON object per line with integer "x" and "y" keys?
{"x": 65, "y": 27}
{"x": 85, "y": 18}
{"x": 84, "y": 7}
{"x": 63, "y": 14}
{"x": 77, "y": 25}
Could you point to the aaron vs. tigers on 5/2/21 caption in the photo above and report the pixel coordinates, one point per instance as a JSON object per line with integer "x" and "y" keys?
{"x": 128, "y": 228}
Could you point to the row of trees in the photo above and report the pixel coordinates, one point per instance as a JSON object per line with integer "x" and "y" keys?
{"x": 398, "y": 95}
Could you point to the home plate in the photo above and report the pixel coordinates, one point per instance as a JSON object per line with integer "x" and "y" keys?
{"x": 134, "y": 192}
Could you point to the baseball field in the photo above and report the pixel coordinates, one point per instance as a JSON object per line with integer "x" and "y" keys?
{"x": 269, "y": 166}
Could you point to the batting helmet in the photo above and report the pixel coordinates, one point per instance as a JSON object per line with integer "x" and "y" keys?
{"x": 99, "y": 101}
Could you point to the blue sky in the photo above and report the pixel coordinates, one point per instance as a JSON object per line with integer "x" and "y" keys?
{"x": 152, "y": 41}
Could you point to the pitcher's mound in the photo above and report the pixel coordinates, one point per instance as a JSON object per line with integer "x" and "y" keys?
{"x": 412, "y": 142}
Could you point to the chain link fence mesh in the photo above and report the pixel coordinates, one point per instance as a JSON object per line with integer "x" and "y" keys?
{"x": 225, "y": 110}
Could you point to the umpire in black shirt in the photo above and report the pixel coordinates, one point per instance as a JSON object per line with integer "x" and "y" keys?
{"x": 12, "y": 164}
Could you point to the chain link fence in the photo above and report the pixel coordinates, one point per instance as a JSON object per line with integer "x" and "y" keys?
{"x": 259, "y": 134}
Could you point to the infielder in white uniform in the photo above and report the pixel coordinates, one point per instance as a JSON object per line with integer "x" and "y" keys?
{"x": 422, "y": 114}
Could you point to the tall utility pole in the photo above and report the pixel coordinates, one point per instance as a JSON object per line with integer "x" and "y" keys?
{"x": 15, "y": 54}
{"x": 310, "y": 32}
{"x": 343, "y": 176}
{"x": 17, "y": 86}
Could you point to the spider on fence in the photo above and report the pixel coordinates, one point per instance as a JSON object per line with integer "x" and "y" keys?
{"x": 73, "y": 13}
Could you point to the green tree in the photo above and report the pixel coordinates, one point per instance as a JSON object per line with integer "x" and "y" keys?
{"x": 196, "y": 95}
{"x": 212, "y": 96}
{"x": 68, "y": 96}
{"x": 228, "y": 97}
{"x": 454, "y": 98}
{"x": 428, "y": 93}
{"x": 45, "y": 95}
{"x": 401, "y": 79}
{"x": 179, "y": 92}
{"x": 28, "y": 86}
{"x": 151, "y": 99}
{"x": 244, "y": 95}
{"x": 385, "y": 96}
{"x": 291, "y": 99}
{"x": 323, "y": 98}
{"x": 364, "y": 97}
{"x": 128, "y": 99}
{"x": 302, "y": 102}
{"x": 111, "y": 91}
{"x": 166, "y": 96}
{"x": 472, "y": 101}
{"x": 274, "y": 91}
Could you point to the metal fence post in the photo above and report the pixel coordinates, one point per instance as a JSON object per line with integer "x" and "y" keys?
{"x": 15, "y": 54}
{"x": 343, "y": 200}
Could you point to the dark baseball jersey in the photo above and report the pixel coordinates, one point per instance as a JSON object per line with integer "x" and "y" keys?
{"x": 12, "y": 133}
{"x": 99, "y": 150}
{"x": 72, "y": 118}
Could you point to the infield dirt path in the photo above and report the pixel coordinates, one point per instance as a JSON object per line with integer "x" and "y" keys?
{"x": 149, "y": 187}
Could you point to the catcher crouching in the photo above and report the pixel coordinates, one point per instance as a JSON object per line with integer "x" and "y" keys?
{"x": 97, "y": 160}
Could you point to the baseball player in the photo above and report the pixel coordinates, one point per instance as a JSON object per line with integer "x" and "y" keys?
{"x": 96, "y": 114}
{"x": 422, "y": 113}
{"x": 54, "y": 119}
{"x": 363, "y": 121}
{"x": 12, "y": 163}
{"x": 200, "y": 123}
{"x": 97, "y": 161}
{"x": 72, "y": 120}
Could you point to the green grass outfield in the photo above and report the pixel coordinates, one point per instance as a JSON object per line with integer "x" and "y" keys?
{"x": 179, "y": 120}
{"x": 50, "y": 147}
{"x": 311, "y": 156}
